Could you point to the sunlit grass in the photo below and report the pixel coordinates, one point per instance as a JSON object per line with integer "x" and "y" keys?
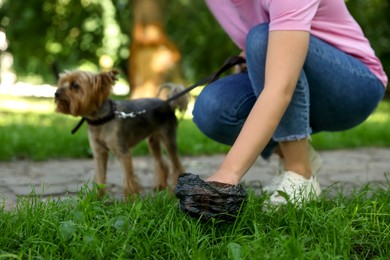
{"x": 23, "y": 105}
{"x": 40, "y": 136}
{"x": 29, "y": 128}
{"x": 380, "y": 117}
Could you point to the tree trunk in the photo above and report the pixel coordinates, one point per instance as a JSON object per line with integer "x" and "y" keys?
{"x": 154, "y": 59}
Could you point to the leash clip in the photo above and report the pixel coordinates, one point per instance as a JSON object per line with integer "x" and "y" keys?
{"x": 123, "y": 115}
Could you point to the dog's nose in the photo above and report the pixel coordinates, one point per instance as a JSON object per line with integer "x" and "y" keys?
{"x": 57, "y": 93}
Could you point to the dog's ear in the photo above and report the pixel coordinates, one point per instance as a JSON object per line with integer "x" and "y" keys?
{"x": 109, "y": 78}
{"x": 104, "y": 82}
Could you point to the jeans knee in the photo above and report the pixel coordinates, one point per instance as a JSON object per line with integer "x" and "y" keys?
{"x": 257, "y": 38}
{"x": 222, "y": 106}
{"x": 204, "y": 113}
{"x": 208, "y": 116}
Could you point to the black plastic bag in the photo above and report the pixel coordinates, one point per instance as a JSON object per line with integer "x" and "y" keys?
{"x": 207, "y": 200}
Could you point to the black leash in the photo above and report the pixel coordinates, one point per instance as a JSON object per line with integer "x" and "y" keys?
{"x": 229, "y": 63}
{"x": 79, "y": 124}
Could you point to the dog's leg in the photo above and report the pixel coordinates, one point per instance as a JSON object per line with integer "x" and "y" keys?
{"x": 160, "y": 165}
{"x": 130, "y": 179}
{"x": 100, "y": 154}
{"x": 169, "y": 139}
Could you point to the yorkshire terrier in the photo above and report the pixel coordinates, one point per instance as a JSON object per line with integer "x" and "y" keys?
{"x": 86, "y": 94}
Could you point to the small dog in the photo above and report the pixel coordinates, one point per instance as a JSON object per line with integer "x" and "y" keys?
{"x": 86, "y": 94}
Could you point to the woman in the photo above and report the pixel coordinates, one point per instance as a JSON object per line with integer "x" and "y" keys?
{"x": 309, "y": 69}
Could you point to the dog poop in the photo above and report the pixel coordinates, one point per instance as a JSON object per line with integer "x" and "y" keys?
{"x": 207, "y": 200}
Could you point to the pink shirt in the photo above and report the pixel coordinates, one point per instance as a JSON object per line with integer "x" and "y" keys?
{"x": 329, "y": 20}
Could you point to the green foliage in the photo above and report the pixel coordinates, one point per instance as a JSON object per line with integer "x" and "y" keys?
{"x": 373, "y": 17}
{"x": 48, "y": 37}
{"x": 351, "y": 226}
{"x": 203, "y": 43}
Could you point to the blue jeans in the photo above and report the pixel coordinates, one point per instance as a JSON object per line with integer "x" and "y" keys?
{"x": 335, "y": 92}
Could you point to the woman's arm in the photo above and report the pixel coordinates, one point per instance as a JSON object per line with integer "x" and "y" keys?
{"x": 285, "y": 57}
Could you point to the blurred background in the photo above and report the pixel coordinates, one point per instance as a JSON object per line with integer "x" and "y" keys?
{"x": 40, "y": 39}
{"x": 156, "y": 39}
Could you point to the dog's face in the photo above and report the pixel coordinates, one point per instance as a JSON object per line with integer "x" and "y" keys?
{"x": 81, "y": 93}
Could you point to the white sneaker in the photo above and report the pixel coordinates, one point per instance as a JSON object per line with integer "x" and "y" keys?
{"x": 315, "y": 163}
{"x": 296, "y": 189}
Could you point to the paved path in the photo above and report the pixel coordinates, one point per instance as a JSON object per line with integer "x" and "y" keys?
{"x": 66, "y": 177}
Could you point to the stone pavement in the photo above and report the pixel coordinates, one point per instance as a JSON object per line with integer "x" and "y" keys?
{"x": 66, "y": 177}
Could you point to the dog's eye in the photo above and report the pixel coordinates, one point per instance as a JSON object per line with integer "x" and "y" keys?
{"x": 74, "y": 86}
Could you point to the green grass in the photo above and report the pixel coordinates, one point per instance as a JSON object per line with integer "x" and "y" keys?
{"x": 30, "y": 129}
{"x": 354, "y": 226}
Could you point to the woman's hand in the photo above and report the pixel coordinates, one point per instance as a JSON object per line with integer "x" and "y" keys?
{"x": 241, "y": 67}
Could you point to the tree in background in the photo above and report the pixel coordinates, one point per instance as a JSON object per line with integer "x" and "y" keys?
{"x": 154, "y": 59}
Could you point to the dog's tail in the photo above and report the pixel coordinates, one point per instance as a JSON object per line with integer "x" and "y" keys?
{"x": 168, "y": 90}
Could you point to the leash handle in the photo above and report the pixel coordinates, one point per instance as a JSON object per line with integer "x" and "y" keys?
{"x": 229, "y": 63}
